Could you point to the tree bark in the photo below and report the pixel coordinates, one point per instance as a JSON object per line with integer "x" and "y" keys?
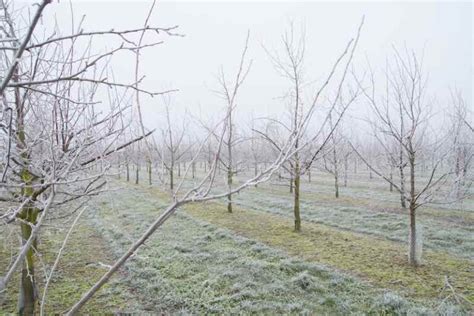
{"x": 127, "y": 168}
{"x": 346, "y": 170}
{"x": 391, "y": 180}
{"x": 28, "y": 294}
{"x": 255, "y": 171}
{"x": 414, "y": 258}
{"x": 137, "y": 174}
{"x": 149, "y": 172}
{"x": 229, "y": 197}
{"x": 172, "y": 177}
{"x": 297, "y": 198}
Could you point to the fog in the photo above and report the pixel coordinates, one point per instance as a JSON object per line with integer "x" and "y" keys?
{"x": 214, "y": 34}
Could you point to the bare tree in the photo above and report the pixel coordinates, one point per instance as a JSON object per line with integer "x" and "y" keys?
{"x": 463, "y": 152}
{"x": 52, "y": 129}
{"x": 402, "y": 118}
{"x": 229, "y": 93}
{"x": 173, "y": 139}
{"x": 291, "y": 66}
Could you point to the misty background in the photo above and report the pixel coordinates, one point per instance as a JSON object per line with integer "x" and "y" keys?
{"x": 215, "y": 32}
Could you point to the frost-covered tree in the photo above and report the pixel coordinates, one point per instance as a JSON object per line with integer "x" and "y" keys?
{"x": 405, "y": 128}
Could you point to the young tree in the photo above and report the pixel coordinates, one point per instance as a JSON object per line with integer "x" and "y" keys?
{"x": 463, "y": 153}
{"x": 404, "y": 117}
{"x": 229, "y": 93}
{"x": 291, "y": 67}
{"x": 173, "y": 139}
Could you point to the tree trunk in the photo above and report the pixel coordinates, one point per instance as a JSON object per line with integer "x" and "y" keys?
{"x": 391, "y": 180}
{"x": 230, "y": 162}
{"x": 229, "y": 184}
{"x": 297, "y": 199}
{"x": 336, "y": 163}
{"x": 127, "y": 168}
{"x": 346, "y": 170}
{"x": 28, "y": 295}
{"x": 193, "y": 167}
{"x": 29, "y": 214}
{"x": 255, "y": 171}
{"x": 402, "y": 179}
{"x": 291, "y": 184}
{"x": 172, "y": 177}
{"x": 137, "y": 174}
{"x": 413, "y": 256}
{"x": 149, "y": 172}
{"x": 415, "y": 247}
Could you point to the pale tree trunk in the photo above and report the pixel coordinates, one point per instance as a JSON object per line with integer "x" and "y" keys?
{"x": 415, "y": 246}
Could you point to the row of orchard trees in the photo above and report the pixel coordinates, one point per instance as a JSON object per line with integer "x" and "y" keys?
{"x": 58, "y": 143}
{"x": 421, "y": 147}
{"x": 64, "y": 119}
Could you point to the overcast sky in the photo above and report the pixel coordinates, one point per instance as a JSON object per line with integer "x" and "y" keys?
{"x": 215, "y": 34}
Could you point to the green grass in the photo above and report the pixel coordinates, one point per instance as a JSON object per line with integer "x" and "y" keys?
{"x": 377, "y": 260}
{"x": 442, "y": 234}
{"x": 206, "y": 261}
{"x": 78, "y": 269}
{"x": 191, "y": 266}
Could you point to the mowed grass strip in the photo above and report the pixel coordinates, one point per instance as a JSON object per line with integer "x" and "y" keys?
{"x": 377, "y": 260}
{"x": 312, "y": 193}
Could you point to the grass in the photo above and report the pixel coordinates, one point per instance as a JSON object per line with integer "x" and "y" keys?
{"x": 192, "y": 266}
{"x": 444, "y": 235}
{"x": 377, "y": 260}
{"x": 205, "y": 260}
{"x": 78, "y": 269}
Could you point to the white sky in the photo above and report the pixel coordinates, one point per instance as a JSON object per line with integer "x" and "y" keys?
{"x": 215, "y": 33}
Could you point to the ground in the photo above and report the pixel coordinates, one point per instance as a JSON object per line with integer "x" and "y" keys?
{"x": 350, "y": 257}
